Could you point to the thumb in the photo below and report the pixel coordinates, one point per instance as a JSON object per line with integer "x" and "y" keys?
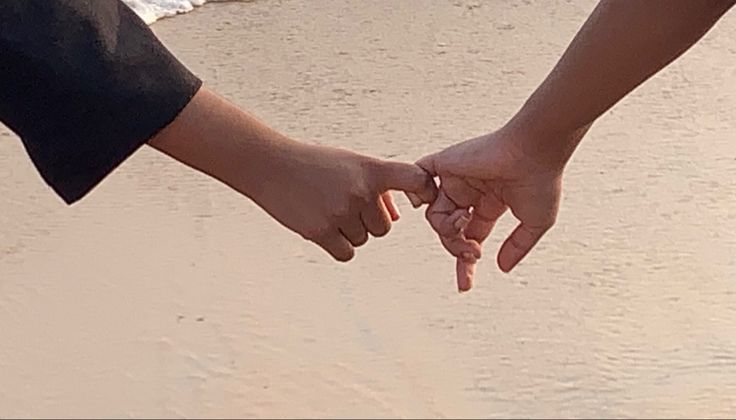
{"x": 518, "y": 244}
{"x": 426, "y": 163}
{"x": 406, "y": 177}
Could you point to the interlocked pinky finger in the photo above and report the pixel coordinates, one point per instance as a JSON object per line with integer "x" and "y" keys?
{"x": 453, "y": 224}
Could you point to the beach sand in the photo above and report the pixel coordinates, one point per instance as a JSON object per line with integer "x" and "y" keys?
{"x": 165, "y": 294}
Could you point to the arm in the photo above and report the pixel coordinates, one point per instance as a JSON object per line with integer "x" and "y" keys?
{"x": 621, "y": 45}
{"x": 86, "y": 83}
{"x": 519, "y": 167}
{"x": 329, "y": 196}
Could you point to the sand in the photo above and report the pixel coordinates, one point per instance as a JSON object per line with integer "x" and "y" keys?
{"x": 165, "y": 294}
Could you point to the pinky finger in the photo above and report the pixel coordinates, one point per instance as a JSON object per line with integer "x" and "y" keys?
{"x": 465, "y": 270}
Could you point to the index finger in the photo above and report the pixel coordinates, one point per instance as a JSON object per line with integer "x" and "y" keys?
{"x": 406, "y": 177}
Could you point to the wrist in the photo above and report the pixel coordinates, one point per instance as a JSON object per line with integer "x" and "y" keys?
{"x": 257, "y": 165}
{"x": 544, "y": 144}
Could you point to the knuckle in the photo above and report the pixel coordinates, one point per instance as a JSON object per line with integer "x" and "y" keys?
{"x": 359, "y": 239}
{"x": 360, "y": 196}
{"x": 309, "y": 235}
{"x": 317, "y": 232}
{"x": 444, "y": 229}
{"x": 429, "y": 213}
{"x": 381, "y": 230}
{"x": 515, "y": 242}
{"x": 452, "y": 245}
{"x": 547, "y": 224}
{"x": 370, "y": 166}
{"x": 435, "y": 221}
{"x": 364, "y": 188}
{"x": 342, "y": 209}
{"x": 344, "y": 255}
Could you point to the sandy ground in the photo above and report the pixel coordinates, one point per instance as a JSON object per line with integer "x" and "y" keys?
{"x": 165, "y": 294}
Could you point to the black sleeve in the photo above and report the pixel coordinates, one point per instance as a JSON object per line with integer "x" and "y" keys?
{"x": 84, "y": 83}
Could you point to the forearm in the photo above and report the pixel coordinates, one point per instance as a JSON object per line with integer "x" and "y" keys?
{"x": 621, "y": 45}
{"x": 215, "y": 137}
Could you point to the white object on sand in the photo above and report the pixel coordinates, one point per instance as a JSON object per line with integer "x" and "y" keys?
{"x": 153, "y": 10}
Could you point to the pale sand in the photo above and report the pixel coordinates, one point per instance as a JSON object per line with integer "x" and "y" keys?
{"x": 166, "y": 294}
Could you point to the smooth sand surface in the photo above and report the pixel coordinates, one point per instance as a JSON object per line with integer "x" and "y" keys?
{"x": 166, "y": 294}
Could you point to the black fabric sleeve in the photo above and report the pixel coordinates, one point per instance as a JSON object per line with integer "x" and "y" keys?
{"x": 84, "y": 83}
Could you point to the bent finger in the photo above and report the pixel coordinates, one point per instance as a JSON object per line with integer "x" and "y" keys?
{"x": 439, "y": 211}
{"x": 388, "y": 202}
{"x": 338, "y": 246}
{"x": 479, "y": 227}
{"x": 414, "y": 199}
{"x": 354, "y": 231}
{"x": 460, "y": 247}
{"x": 376, "y": 218}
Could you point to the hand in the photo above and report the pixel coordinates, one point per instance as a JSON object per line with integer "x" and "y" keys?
{"x": 334, "y": 197}
{"x": 480, "y": 179}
